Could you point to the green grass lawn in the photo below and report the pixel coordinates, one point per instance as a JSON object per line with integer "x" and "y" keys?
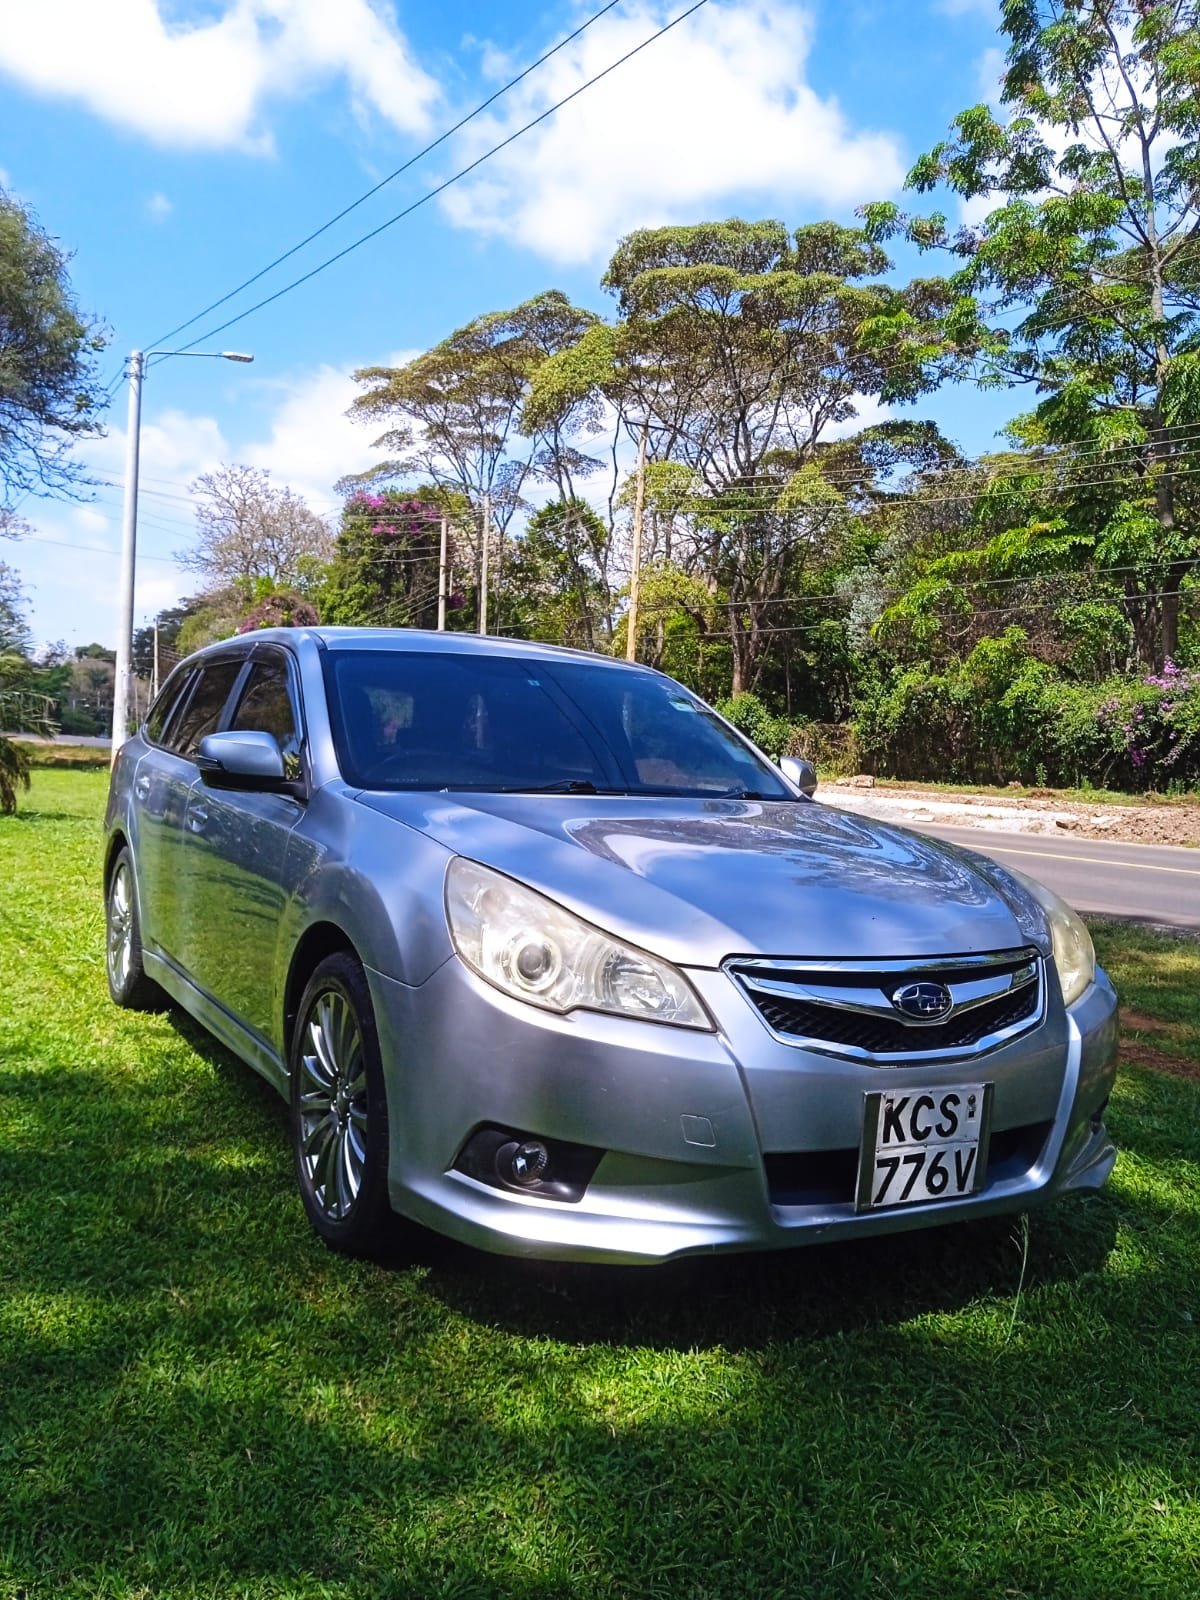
{"x": 196, "y": 1399}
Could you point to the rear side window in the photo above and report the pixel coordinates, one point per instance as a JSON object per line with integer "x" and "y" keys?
{"x": 166, "y": 702}
{"x": 266, "y": 707}
{"x": 203, "y": 711}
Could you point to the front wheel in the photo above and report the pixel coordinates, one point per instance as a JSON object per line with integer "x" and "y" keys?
{"x": 339, "y": 1111}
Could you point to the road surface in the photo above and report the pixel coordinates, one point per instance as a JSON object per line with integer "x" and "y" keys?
{"x": 1155, "y": 883}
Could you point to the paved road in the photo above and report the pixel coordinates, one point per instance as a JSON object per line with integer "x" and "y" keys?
{"x": 1156, "y": 882}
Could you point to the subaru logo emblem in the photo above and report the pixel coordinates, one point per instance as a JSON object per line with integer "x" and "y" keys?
{"x": 928, "y": 1002}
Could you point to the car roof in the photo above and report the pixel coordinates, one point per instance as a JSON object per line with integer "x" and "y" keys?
{"x": 420, "y": 640}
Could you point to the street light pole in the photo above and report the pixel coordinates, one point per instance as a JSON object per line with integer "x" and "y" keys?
{"x": 120, "y": 720}
{"x": 124, "y": 668}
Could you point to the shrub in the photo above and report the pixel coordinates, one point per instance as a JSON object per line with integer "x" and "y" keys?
{"x": 772, "y": 734}
{"x": 1001, "y": 714}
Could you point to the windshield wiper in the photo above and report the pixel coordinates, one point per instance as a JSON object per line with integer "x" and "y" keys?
{"x": 563, "y": 786}
{"x": 744, "y": 794}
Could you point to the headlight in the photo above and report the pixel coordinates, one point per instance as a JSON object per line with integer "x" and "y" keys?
{"x": 1074, "y": 955}
{"x": 537, "y": 951}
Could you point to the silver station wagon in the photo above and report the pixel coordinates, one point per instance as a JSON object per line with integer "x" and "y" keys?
{"x": 547, "y": 957}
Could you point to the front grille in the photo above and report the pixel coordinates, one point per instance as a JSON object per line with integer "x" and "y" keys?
{"x": 883, "y": 1037}
{"x": 846, "y": 1008}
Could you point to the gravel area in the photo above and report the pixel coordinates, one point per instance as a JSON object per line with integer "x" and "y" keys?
{"x": 1164, "y": 823}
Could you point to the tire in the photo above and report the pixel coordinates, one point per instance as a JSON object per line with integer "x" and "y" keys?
{"x": 127, "y": 981}
{"x": 339, "y": 1119}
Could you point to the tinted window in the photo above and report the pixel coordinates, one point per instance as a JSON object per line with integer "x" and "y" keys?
{"x": 166, "y": 702}
{"x": 408, "y": 721}
{"x": 266, "y": 707}
{"x": 203, "y": 711}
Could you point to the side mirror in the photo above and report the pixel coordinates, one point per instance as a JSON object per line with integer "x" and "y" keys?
{"x": 241, "y": 761}
{"x": 802, "y": 773}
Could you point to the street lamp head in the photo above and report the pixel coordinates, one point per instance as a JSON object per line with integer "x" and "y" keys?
{"x": 235, "y": 355}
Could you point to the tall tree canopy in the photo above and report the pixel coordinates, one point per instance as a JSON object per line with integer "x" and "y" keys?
{"x": 1084, "y": 281}
{"x": 738, "y": 349}
{"x": 49, "y": 394}
{"x": 453, "y": 412}
{"x": 248, "y": 530}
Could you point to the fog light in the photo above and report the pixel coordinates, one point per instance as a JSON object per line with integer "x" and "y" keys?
{"x": 529, "y": 1162}
{"x": 551, "y": 1169}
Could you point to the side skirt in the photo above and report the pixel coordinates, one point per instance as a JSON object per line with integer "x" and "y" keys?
{"x": 222, "y": 1024}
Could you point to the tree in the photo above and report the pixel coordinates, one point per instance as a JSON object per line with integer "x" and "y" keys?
{"x": 384, "y": 572}
{"x": 453, "y": 415}
{"x": 737, "y": 350}
{"x": 283, "y": 608}
{"x": 1084, "y": 282}
{"x": 250, "y": 530}
{"x": 15, "y": 637}
{"x": 555, "y": 576}
{"x": 49, "y": 393}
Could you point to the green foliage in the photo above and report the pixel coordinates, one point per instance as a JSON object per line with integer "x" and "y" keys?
{"x": 49, "y": 394}
{"x": 554, "y": 580}
{"x": 1083, "y": 278}
{"x": 772, "y": 735}
{"x": 384, "y": 572}
{"x": 282, "y": 608}
{"x": 1001, "y": 716}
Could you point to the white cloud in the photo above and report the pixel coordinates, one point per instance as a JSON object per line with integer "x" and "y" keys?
{"x": 312, "y": 442}
{"x": 206, "y": 83}
{"x": 159, "y": 208}
{"x": 715, "y": 113}
{"x": 70, "y": 565}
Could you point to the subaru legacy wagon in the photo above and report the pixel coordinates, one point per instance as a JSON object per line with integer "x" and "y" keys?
{"x": 546, "y": 956}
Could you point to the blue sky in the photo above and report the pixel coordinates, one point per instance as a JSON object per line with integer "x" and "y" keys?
{"x": 175, "y": 146}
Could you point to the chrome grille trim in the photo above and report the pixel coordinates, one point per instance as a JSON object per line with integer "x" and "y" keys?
{"x": 846, "y": 993}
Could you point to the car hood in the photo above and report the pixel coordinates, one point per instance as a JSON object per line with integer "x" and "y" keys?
{"x": 696, "y": 881}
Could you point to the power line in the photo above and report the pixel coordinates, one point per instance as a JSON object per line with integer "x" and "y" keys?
{"x": 383, "y": 182}
{"x": 442, "y": 187}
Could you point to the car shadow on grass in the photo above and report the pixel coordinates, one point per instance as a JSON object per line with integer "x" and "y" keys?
{"x": 751, "y": 1301}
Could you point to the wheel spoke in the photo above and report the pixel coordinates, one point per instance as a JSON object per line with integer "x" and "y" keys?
{"x": 323, "y": 1040}
{"x": 316, "y": 1065}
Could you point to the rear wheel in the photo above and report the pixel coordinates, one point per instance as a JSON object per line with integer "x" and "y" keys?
{"x": 127, "y": 982}
{"x": 339, "y": 1112}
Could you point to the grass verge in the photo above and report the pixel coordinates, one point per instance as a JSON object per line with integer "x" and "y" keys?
{"x": 196, "y": 1399}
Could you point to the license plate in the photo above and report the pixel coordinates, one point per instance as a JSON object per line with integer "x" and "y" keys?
{"x": 923, "y": 1144}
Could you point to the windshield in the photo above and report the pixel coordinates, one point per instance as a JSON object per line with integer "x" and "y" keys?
{"x": 403, "y": 720}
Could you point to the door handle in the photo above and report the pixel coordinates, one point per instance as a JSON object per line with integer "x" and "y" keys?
{"x": 197, "y": 819}
{"x": 141, "y": 788}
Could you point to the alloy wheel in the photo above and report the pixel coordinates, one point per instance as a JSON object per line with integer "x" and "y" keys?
{"x": 333, "y": 1104}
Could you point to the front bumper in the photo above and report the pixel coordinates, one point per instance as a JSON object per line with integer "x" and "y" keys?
{"x": 711, "y": 1141}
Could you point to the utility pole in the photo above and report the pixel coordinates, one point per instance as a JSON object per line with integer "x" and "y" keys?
{"x": 441, "y": 573}
{"x": 128, "y": 553}
{"x": 154, "y": 675}
{"x": 485, "y": 540}
{"x": 635, "y": 576}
